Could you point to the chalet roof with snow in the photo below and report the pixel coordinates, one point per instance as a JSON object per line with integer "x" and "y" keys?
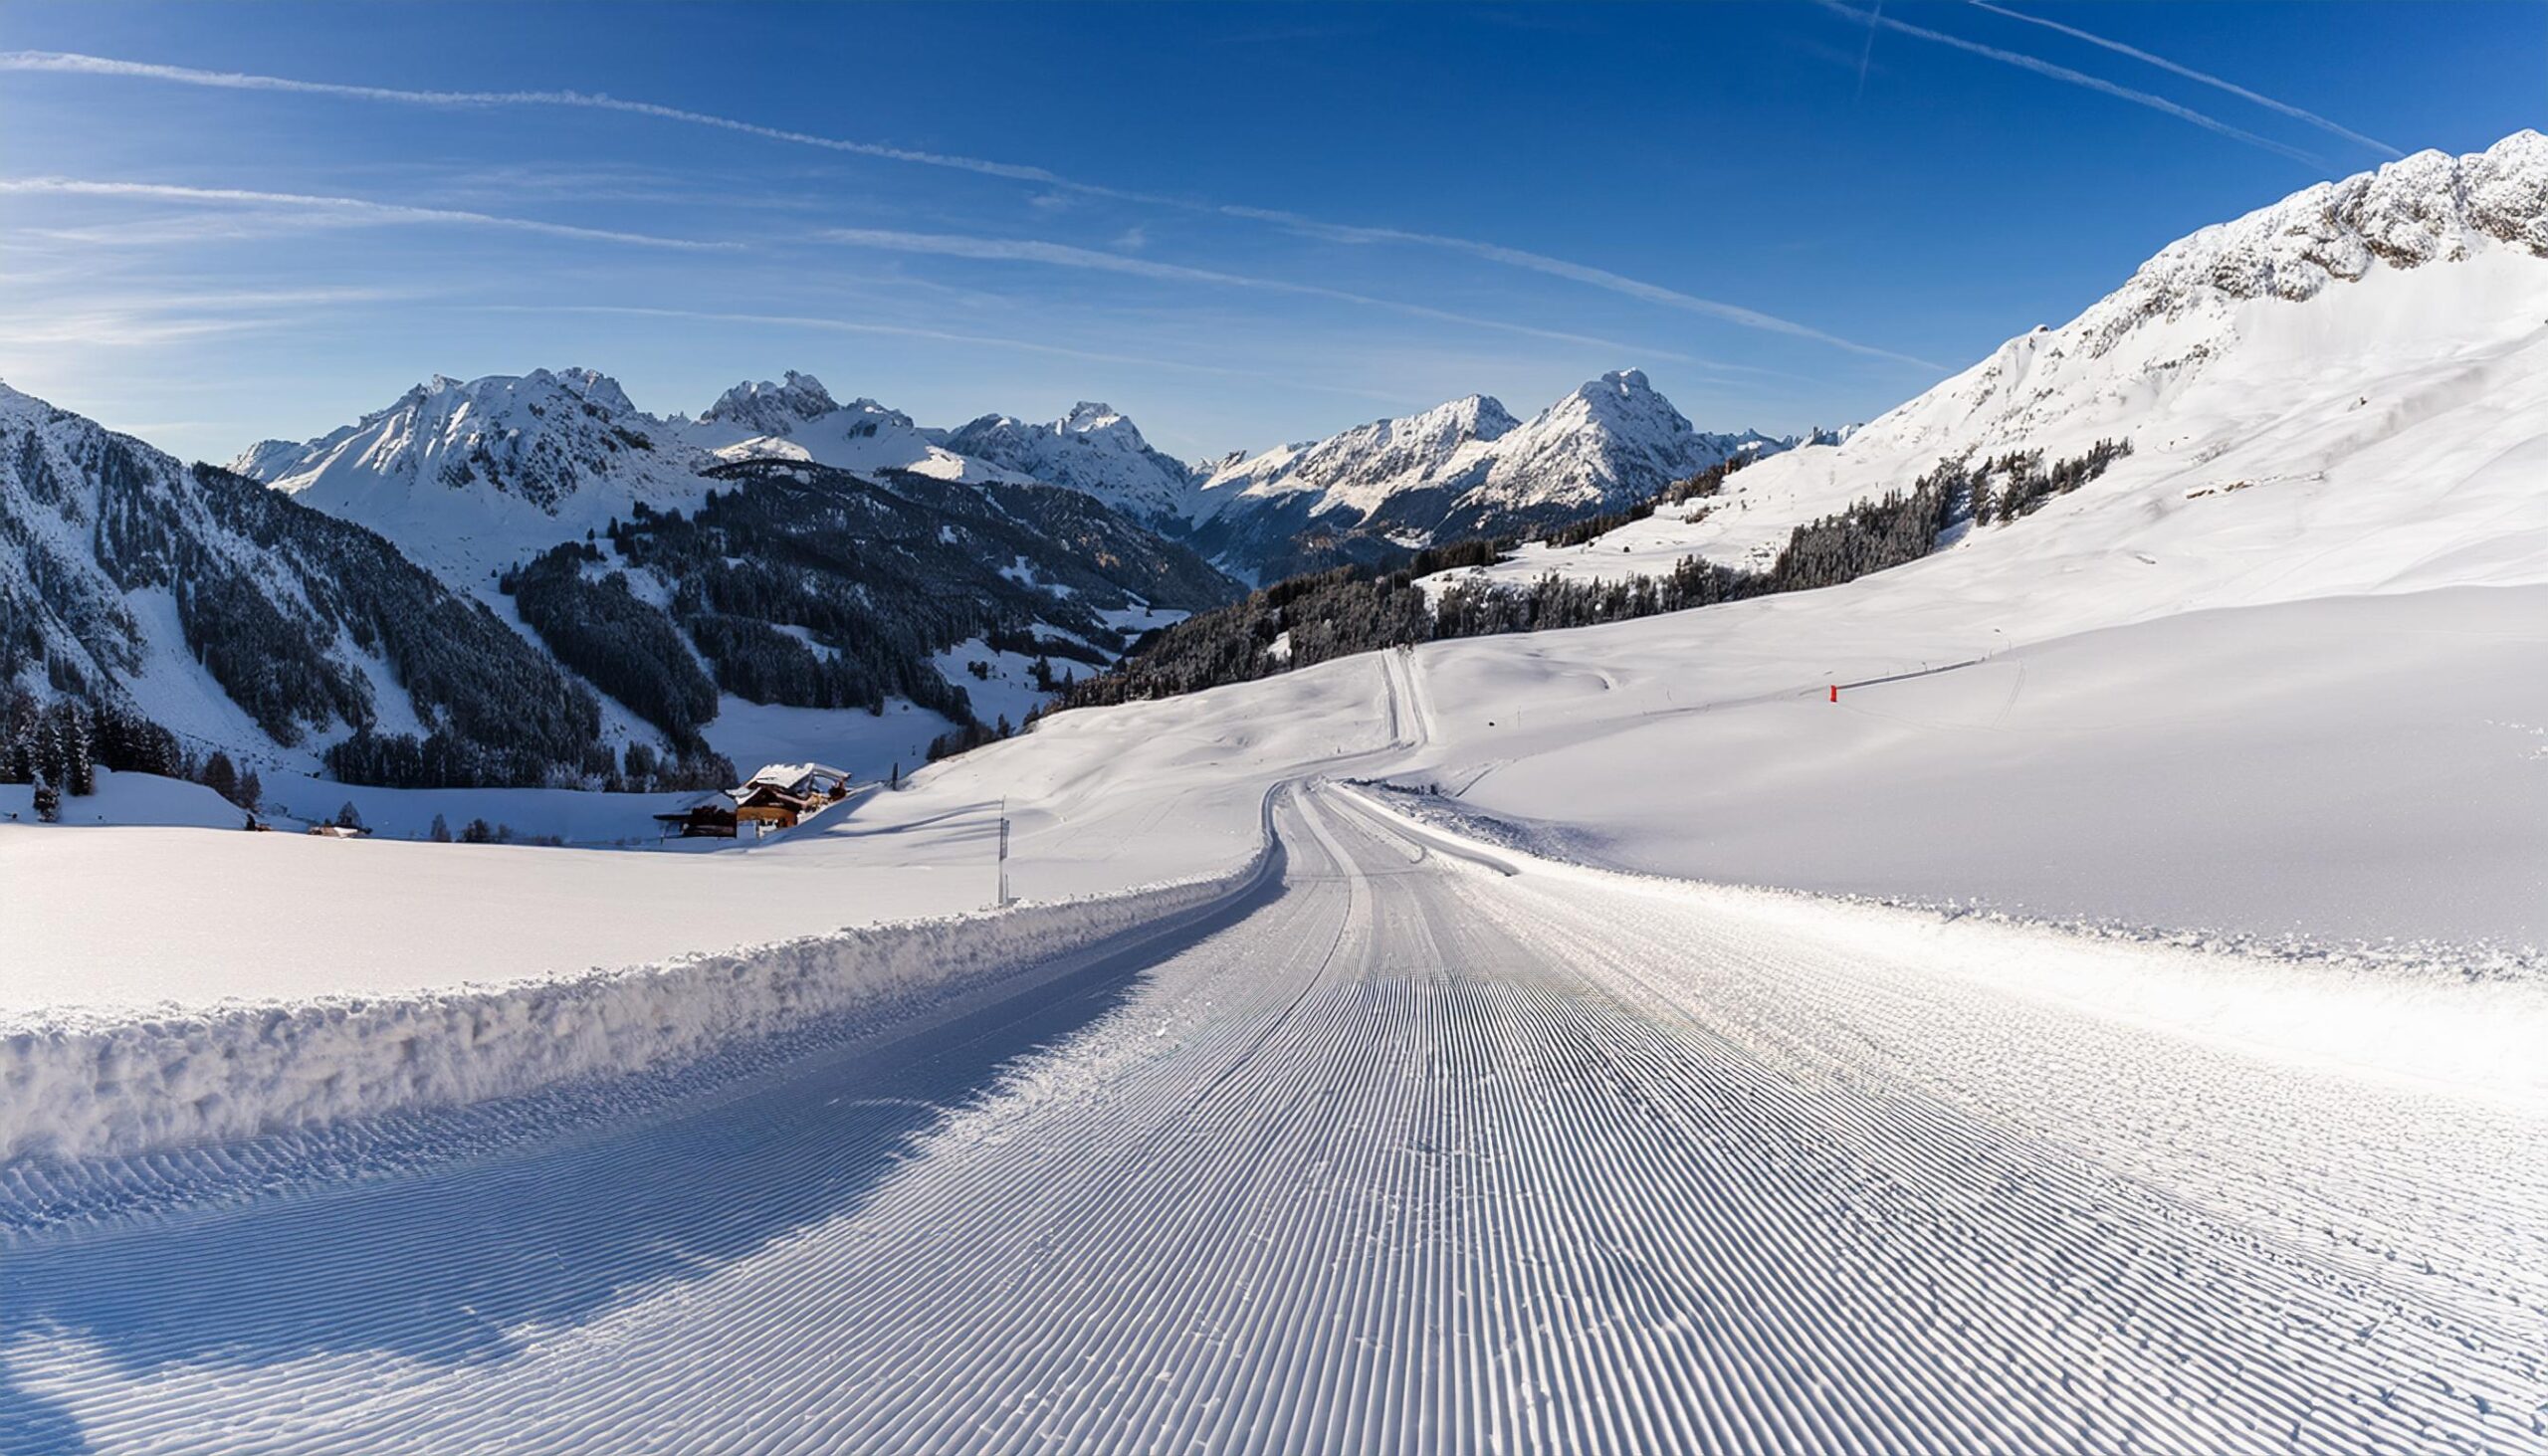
{"x": 795, "y": 779}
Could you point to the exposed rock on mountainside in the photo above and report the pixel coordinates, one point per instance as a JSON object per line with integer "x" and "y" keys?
{"x": 1093, "y": 449}
{"x": 235, "y": 617}
{"x": 1466, "y": 468}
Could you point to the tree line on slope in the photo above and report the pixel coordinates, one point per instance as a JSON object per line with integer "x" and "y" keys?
{"x": 812, "y": 587}
{"x": 1309, "y": 619}
{"x": 269, "y": 596}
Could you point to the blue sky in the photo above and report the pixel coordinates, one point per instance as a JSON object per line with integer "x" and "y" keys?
{"x": 1240, "y": 224}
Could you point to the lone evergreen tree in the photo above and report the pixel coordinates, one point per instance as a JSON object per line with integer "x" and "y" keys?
{"x": 221, "y": 775}
{"x": 440, "y": 833}
{"x": 48, "y": 802}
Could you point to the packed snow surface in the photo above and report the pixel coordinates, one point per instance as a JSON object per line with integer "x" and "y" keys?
{"x": 1431, "y": 1149}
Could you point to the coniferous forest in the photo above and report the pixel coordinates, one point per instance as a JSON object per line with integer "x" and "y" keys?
{"x": 1309, "y": 619}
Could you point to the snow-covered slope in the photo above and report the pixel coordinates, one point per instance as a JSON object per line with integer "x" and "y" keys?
{"x": 237, "y": 619}
{"x": 1465, "y": 468}
{"x": 2364, "y": 358}
{"x": 859, "y": 531}
{"x": 470, "y": 477}
{"x": 1094, "y": 449}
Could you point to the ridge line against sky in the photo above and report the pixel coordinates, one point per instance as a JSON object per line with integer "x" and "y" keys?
{"x": 1841, "y": 175}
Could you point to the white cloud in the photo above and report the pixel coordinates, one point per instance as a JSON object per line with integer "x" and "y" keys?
{"x": 1604, "y": 279}
{"x": 1063, "y": 255}
{"x": 335, "y": 210}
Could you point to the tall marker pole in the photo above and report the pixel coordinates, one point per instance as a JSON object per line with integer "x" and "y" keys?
{"x": 1003, "y": 853}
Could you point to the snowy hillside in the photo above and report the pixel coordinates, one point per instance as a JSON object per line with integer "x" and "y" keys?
{"x": 1462, "y": 469}
{"x": 855, "y": 563}
{"x": 235, "y": 618}
{"x": 466, "y": 476}
{"x": 1094, "y": 449}
{"x": 2363, "y": 362}
{"x": 471, "y": 476}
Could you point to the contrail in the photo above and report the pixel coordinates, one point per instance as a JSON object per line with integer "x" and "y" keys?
{"x": 82, "y": 64}
{"x": 2081, "y": 78}
{"x": 2189, "y": 74}
{"x": 78, "y": 65}
{"x": 940, "y": 336}
{"x": 1576, "y": 272}
{"x": 1063, "y": 255}
{"x": 1867, "y": 55}
{"x": 350, "y": 207}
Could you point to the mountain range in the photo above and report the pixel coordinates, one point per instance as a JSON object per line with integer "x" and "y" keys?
{"x": 461, "y": 475}
{"x": 519, "y": 579}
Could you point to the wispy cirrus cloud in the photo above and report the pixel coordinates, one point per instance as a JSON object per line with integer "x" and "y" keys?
{"x": 2188, "y": 73}
{"x": 1576, "y": 272}
{"x": 86, "y": 318}
{"x": 72, "y": 62}
{"x": 2042, "y": 67}
{"x": 1599, "y": 277}
{"x": 1064, "y": 255}
{"x": 337, "y": 209}
{"x": 821, "y": 323}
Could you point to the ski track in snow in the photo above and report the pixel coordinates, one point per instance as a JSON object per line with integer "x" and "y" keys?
{"x": 1419, "y": 1154}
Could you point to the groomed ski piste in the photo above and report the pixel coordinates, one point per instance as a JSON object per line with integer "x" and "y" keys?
{"x": 1388, "y": 1137}
{"x": 2113, "y": 1023}
{"x": 1410, "y": 1144}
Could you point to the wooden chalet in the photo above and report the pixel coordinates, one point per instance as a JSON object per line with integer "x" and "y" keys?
{"x": 769, "y": 805}
{"x": 712, "y": 817}
{"x": 781, "y": 796}
{"x": 814, "y": 783}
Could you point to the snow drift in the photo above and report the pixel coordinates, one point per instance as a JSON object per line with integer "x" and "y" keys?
{"x": 104, "y": 1087}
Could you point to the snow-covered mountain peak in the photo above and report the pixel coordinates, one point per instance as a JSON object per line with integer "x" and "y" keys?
{"x": 1464, "y": 467}
{"x": 538, "y": 437}
{"x": 772, "y": 408}
{"x": 592, "y": 386}
{"x": 2362, "y": 362}
{"x": 1094, "y": 449}
{"x": 1620, "y": 400}
{"x": 464, "y": 473}
{"x": 2425, "y": 208}
{"x": 1089, "y": 416}
{"x": 1470, "y": 417}
{"x": 2470, "y": 232}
